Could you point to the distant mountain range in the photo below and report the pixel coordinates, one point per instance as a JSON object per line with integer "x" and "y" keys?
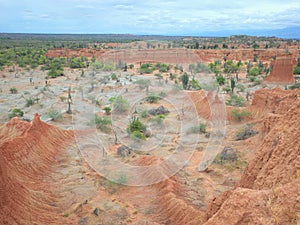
{"x": 289, "y": 33}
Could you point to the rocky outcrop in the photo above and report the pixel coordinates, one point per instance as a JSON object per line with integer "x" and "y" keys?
{"x": 275, "y": 101}
{"x": 282, "y": 72}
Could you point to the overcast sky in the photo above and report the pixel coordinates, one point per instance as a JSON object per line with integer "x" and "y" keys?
{"x": 170, "y": 17}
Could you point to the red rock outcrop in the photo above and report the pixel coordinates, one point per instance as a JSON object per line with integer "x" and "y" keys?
{"x": 269, "y": 190}
{"x": 243, "y": 54}
{"x": 282, "y": 72}
{"x": 272, "y": 101}
{"x": 27, "y": 152}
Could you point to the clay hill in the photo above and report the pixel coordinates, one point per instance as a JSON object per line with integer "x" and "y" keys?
{"x": 282, "y": 72}
{"x": 41, "y": 177}
{"x": 269, "y": 190}
{"x": 63, "y": 52}
{"x": 28, "y": 152}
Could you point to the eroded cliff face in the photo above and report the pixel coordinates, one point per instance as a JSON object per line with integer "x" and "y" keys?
{"x": 276, "y": 101}
{"x": 269, "y": 189}
{"x": 282, "y": 72}
{"x": 63, "y": 52}
{"x": 243, "y": 54}
{"x": 27, "y": 153}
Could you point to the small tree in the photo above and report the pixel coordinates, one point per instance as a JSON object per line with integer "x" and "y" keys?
{"x": 185, "y": 81}
{"x": 136, "y": 129}
{"x": 143, "y": 84}
{"x": 13, "y": 90}
{"x": 107, "y": 110}
{"x": 120, "y": 105}
{"x": 232, "y": 84}
{"x": 221, "y": 80}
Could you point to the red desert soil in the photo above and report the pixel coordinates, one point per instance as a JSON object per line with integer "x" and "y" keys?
{"x": 282, "y": 71}
{"x": 269, "y": 190}
{"x": 27, "y": 153}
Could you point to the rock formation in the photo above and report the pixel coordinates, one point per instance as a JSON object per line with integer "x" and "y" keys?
{"x": 282, "y": 72}
{"x": 27, "y": 152}
{"x": 269, "y": 190}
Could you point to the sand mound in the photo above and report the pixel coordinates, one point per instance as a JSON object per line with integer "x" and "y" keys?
{"x": 27, "y": 151}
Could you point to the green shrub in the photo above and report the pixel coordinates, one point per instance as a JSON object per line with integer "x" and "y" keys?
{"x": 253, "y": 71}
{"x": 13, "y": 90}
{"x": 16, "y": 113}
{"x": 137, "y": 129}
{"x": 146, "y": 68}
{"x": 226, "y": 89}
{"x": 107, "y": 110}
{"x": 158, "y": 119}
{"x": 152, "y": 98}
{"x": 296, "y": 70}
{"x": 239, "y": 115}
{"x": 114, "y": 76}
{"x": 162, "y": 94}
{"x": 138, "y": 135}
{"x": 136, "y": 125}
{"x": 252, "y": 78}
{"x": 54, "y": 115}
{"x": 240, "y": 87}
{"x": 294, "y": 86}
{"x": 236, "y": 100}
{"x": 201, "y": 128}
{"x": 221, "y": 80}
{"x": 120, "y": 105}
{"x": 172, "y": 76}
{"x": 143, "y": 83}
{"x": 195, "y": 84}
{"x": 29, "y": 102}
{"x": 102, "y": 123}
{"x": 145, "y": 114}
{"x": 53, "y": 73}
